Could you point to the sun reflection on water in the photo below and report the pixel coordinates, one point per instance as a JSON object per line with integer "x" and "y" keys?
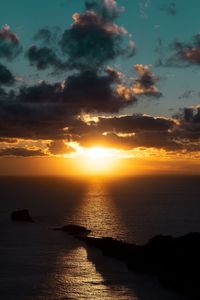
{"x": 98, "y": 212}
{"x": 82, "y": 280}
{"x": 87, "y": 274}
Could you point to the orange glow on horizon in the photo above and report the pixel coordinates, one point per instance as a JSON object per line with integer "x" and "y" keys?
{"x": 104, "y": 161}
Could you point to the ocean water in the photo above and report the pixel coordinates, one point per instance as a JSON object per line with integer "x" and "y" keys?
{"x": 38, "y": 263}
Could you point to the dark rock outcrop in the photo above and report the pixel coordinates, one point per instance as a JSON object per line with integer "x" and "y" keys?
{"x": 21, "y": 216}
{"x": 74, "y": 229}
{"x": 175, "y": 261}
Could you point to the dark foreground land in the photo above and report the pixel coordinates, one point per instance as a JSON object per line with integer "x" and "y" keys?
{"x": 175, "y": 261}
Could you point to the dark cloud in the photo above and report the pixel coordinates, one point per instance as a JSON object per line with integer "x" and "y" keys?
{"x": 146, "y": 139}
{"x": 182, "y": 133}
{"x": 48, "y": 36}
{"x": 35, "y": 112}
{"x": 188, "y": 130}
{"x": 6, "y": 77}
{"x": 47, "y": 53}
{"x": 43, "y": 110}
{"x": 125, "y": 125}
{"x": 157, "y": 139}
{"x": 44, "y": 58}
{"x": 107, "y": 9}
{"x": 124, "y": 132}
{"x": 190, "y": 114}
{"x": 90, "y": 92}
{"x": 42, "y": 93}
{"x": 55, "y": 111}
{"x": 134, "y": 123}
{"x": 169, "y": 8}
{"x": 187, "y": 94}
{"x": 171, "y": 137}
{"x": 59, "y": 147}
{"x": 9, "y": 44}
{"x": 94, "y": 39}
{"x": 85, "y": 92}
{"x": 2, "y": 93}
{"x": 128, "y": 132}
{"x": 23, "y": 152}
{"x": 186, "y": 54}
{"x": 88, "y": 45}
{"x": 144, "y": 85}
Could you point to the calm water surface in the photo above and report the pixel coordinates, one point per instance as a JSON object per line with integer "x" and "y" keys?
{"x": 37, "y": 263}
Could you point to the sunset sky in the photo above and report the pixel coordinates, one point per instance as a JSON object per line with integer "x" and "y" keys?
{"x": 99, "y": 87}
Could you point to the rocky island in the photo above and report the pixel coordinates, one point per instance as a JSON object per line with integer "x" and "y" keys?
{"x": 74, "y": 230}
{"x": 21, "y": 216}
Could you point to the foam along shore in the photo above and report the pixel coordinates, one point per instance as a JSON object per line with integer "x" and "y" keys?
{"x": 174, "y": 260}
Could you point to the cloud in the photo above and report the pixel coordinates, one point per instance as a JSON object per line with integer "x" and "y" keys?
{"x": 59, "y": 147}
{"x": 188, "y": 129}
{"x": 126, "y": 132}
{"x": 129, "y": 132}
{"x": 44, "y": 58}
{"x": 187, "y": 94}
{"x": 35, "y": 112}
{"x": 181, "y": 133}
{"x": 186, "y": 54}
{"x": 9, "y": 44}
{"x": 107, "y": 9}
{"x": 47, "y": 36}
{"x": 128, "y": 124}
{"x": 144, "y": 85}
{"x": 8, "y": 141}
{"x": 92, "y": 41}
{"x": 189, "y": 114}
{"x": 46, "y": 53}
{"x": 54, "y": 112}
{"x": 89, "y": 44}
{"x": 23, "y": 152}
{"x": 146, "y": 139}
{"x": 90, "y": 92}
{"x": 169, "y": 8}
{"x": 6, "y": 77}
{"x": 44, "y": 110}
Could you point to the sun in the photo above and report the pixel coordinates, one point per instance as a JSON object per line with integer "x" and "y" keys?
{"x": 97, "y": 160}
{"x": 99, "y": 152}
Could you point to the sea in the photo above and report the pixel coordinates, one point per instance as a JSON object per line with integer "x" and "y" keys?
{"x": 37, "y": 263}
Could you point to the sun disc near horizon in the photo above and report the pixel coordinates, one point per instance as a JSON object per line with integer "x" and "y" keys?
{"x": 97, "y": 160}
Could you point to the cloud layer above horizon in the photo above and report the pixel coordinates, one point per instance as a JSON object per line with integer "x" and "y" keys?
{"x": 86, "y": 97}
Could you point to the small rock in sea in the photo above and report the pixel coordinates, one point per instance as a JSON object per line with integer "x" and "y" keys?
{"x": 74, "y": 229}
{"x": 21, "y": 216}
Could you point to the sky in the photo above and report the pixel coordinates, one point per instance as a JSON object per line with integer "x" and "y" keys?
{"x": 99, "y": 86}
